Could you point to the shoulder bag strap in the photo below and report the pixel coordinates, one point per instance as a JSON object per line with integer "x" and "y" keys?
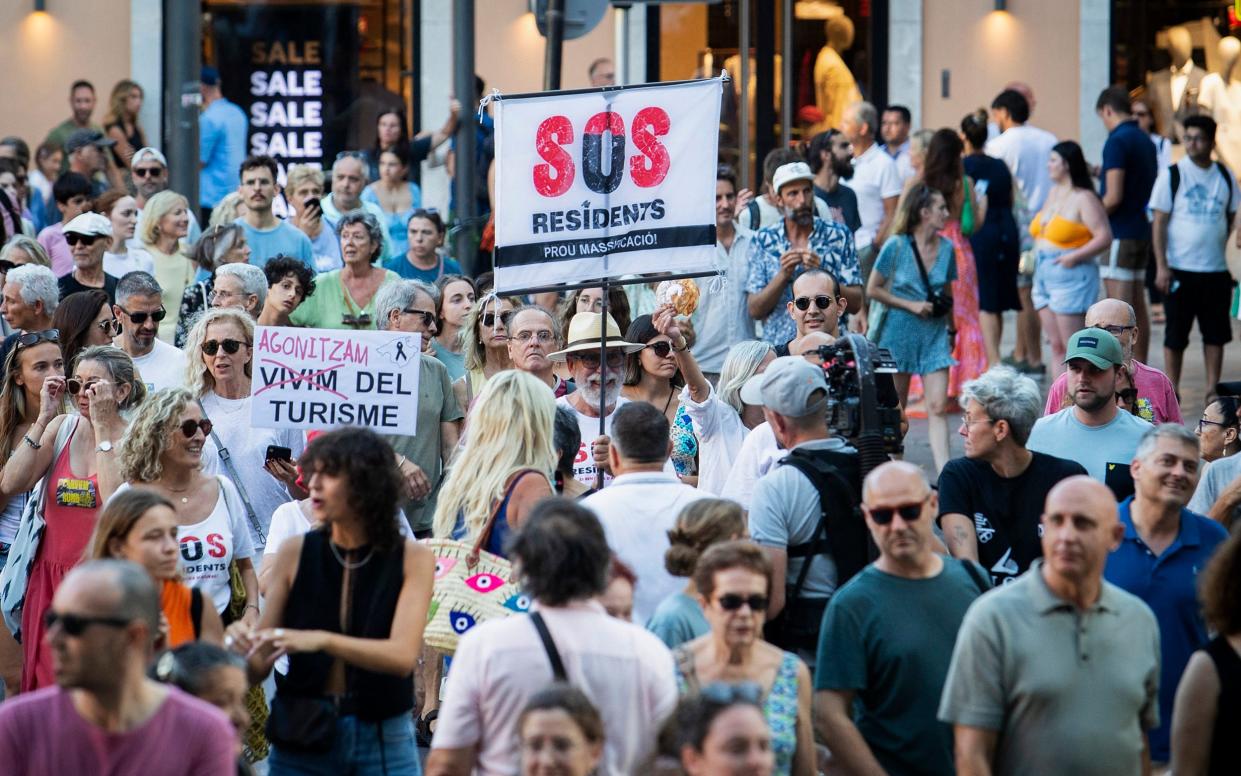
{"x": 553, "y": 654}
{"x": 972, "y": 570}
{"x": 926, "y": 280}
{"x": 485, "y": 534}
{"x": 227, "y": 460}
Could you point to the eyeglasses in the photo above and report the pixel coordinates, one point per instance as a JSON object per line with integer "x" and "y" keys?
{"x": 190, "y": 427}
{"x": 357, "y": 321}
{"x": 661, "y": 348}
{"x": 231, "y": 346}
{"x": 725, "y": 693}
{"x": 731, "y": 602}
{"x": 965, "y": 421}
{"x": 110, "y": 327}
{"x": 146, "y": 172}
{"x": 590, "y": 358}
{"x": 1204, "y": 421}
{"x": 141, "y": 318}
{"x": 822, "y": 302}
{"x": 219, "y": 293}
{"x": 428, "y": 318}
{"x": 73, "y": 238}
{"x": 35, "y": 337}
{"x": 908, "y": 512}
{"x": 544, "y": 336}
{"x": 76, "y": 624}
{"x": 489, "y": 319}
{"x": 75, "y": 385}
{"x": 1116, "y": 331}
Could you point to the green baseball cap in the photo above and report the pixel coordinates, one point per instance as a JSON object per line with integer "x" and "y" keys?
{"x": 1097, "y": 346}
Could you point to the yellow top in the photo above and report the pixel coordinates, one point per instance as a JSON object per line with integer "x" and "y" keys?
{"x": 1060, "y": 231}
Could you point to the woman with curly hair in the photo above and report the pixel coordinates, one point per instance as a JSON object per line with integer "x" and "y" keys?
{"x": 75, "y": 458}
{"x": 163, "y": 451}
{"x": 484, "y": 346}
{"x": 347, "y": 602}
{"x": 219, "y": 353}
{"x": 289, "y": 282}
{"x": 140, "y": 526}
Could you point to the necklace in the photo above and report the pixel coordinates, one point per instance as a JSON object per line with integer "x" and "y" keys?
{"x": 184, "y": 499}
{"x": 348, "y": 566}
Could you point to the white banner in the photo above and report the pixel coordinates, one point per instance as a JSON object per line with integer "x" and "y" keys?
{"x": 320, "y": 379}
{"x": 600, "y": 184}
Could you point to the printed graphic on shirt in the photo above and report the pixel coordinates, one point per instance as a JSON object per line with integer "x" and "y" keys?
{"x": 74, "y": 492}
{"x": 202, "y": 558}
{"x": 1005, "y": 569}
{"x": 1200, "y": 206}
{"x": 983, "y": 528}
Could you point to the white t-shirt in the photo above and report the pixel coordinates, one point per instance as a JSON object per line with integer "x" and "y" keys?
{"x": 720, "y": 435}
{"x": 584, "y": 463}
{"x": 248, "y": 447}
{"x": 875, "y": 178}
{"x": 163, "y": 367}
{"x": 758, "y": 453}
{"x": 1198, "y": 229}
{"x": 119, "y": 264}
{"x": 1025, "y": 150}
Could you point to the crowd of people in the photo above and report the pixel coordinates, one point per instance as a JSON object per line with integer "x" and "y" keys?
{"x": 627, "y": 541}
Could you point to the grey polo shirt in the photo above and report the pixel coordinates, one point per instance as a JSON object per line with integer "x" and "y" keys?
{"x": 1068, "y": 691}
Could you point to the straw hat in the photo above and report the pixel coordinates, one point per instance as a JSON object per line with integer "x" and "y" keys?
{"x": 584, "y": 335}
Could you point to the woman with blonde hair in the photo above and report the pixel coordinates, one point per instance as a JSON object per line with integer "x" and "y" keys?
{"x": 484, "y": 346}
{"x": 163, "y": 451}
{"x": 24, "y": 250}
{"x": 121, "y": 121}
{"x": 229, "y": 210}
{"x": 701, "y": 524}
{"x": 304, "y": 191}
{"x": 140, "y": 526}
{"x": 165, "y": 222}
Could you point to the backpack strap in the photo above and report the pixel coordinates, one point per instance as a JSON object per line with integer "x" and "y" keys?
{"x": 756, "y": 217}
{"x": 1229, "y": 211}
{"x": 1174, "y": 180}
{"x": 836, "y": 497}
{"x": 972, "y": 570}
{"x": 553, "y": 654}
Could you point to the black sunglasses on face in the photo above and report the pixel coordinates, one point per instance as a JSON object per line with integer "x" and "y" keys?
{"x": 821, "y": 302}
{"x": 428, "y": 319}
{"x": 74, "y": 238}
{"x": 76, "y": 624}
{"x": 661, "y": 349}
{"x": 359, "y": 320}
{"x": 231, "y": 346}
{"x": 146, "y": 172}
{"x": 141, "y": 318}
{"x": 908, "y": 513}
{"x": 35, "y": 337}
{"x": 731, "y": 602}
{"x": 6, "y": 265}
{"x": 190, "y": 427}
{"x": 489, "y": 319}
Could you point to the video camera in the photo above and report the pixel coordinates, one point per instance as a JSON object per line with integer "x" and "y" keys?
{"x": 862, "y": 406}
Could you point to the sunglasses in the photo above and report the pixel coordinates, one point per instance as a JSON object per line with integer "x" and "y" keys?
{"x": 428, "y": 319}
{"x": 821, "y": 302}
{"x": 359, "y": 320}
{"x": 141, "y": 318}
{"x": 231, "y": 346}
{"x": 616, "y": 359}
{"x": 76, "y": 624}
{"x": 885, "y": 515}
{"x": 489, "y": 319}
{"x": 190, "y": 427}
{"x": 111, "y": 327}
{"x": 725, "y": 693}
{"x": 731, "y": 602}
{"x": 35, "y": 337}
{"x": 661, "y": 349}
{"x": 75, "y": 385}
{"x": 7, "y": 266}
{"x": 146, "y": 172}
{"x": 74, "y": 238}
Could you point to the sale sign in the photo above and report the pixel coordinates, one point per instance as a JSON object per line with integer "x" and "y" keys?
{"x": 320, "y": 379}
{"x": 600, "y": 184}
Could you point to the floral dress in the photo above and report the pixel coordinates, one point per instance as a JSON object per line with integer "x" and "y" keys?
{"x": 779, "y": 706}
{"x": 684, "y": 444}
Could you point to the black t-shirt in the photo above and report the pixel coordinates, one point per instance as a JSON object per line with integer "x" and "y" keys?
{"x": 68, "y": 285}
{"x": 843, "y": 204}
{"x": 1005, "y": 511}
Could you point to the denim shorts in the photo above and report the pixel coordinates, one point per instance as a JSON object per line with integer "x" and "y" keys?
{"x": 362, "y": 748}
{"x": 1068, "y": 291}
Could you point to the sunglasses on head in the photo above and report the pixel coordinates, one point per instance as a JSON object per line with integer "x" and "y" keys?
{"x": 821, "y": 302}
{"x": 428, "y": 318}
{"x": 35, "y": 337}
{"x": 73, "y": 238}
{"x": 359, "y": 320}
{"x": 489, "y": 319}
{"x": 141, "y": 318}
{"x": 76, "y": 624}
{"x": 76, "y": 385}
{"x": 885, "y": 515}
{"x": 146, "y": 172}
{"x": 231, "y": 346}
{"x": 190, "y": 427}
{"x": 661, "y": 349}
{"x": 731, "y": 602}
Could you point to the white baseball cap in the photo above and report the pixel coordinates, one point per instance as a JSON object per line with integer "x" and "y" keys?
{"x": 142, "y": 154}
{"x": 91, "y": 224}
{"x": 787, "y": 173}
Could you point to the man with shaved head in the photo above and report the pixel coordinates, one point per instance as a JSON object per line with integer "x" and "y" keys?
{"x": 104, "y": 715}
{"x": 1058, "y": 672}
{"x": 887, "y": 636}
{"x": 1156, "y": 396}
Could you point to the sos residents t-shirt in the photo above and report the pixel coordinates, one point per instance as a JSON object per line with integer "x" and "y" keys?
{"x": 1006, "y": 511}
{"x": 584, "y": 463}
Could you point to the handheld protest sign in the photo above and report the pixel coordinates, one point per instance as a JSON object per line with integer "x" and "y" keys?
{"x": 598, "y": 184}
{"x": 318, "y": 379}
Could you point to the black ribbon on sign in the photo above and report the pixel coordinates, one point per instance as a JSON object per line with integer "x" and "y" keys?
{"x": 400, "y": 351}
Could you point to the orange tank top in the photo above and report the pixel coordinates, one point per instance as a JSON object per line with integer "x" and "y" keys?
{"x": 176, "y": 600}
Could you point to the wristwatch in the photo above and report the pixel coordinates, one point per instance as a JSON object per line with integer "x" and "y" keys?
{"x": 105, "y": 446}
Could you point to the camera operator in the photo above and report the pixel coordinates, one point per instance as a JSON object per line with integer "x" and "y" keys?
{"x": 812, "y": 492}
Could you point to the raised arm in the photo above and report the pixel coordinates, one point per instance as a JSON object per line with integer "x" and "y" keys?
{"x": 33, "y": 455}
{"x": 664, "y": 320}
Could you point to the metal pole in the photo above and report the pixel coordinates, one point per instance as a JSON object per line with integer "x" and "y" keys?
{"x": 743, "y": 89}
{"x": 555, "y": 45}
{"x": 465, "y": 248}
{"x": 603, "y": 375}
{"x": 621, "y": 43}
{"x": 786, "y": 70}
{"x": 182, "y": 95}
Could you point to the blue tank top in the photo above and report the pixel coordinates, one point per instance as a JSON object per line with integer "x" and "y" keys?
{"x": 500, "y": 529}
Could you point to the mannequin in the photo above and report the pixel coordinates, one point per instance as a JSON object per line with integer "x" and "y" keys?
{"x": 1220, "y": 97}
{"x": 1174, "y": 91}
{"x": 834, "y": 86}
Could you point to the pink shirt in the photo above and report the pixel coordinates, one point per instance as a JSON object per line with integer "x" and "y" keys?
{"x": 1156, "y": 399}
{"x": 42, "y": 734}
{"x": 625, "y": 670}
{"x": 52, "y": 238}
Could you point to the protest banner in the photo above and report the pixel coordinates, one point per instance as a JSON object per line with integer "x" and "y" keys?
{"x": 596, "y": 184}
{"x": 324, "y": 378}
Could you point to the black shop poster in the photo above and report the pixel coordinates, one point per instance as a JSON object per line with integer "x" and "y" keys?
{"x": 293, "y": 70}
